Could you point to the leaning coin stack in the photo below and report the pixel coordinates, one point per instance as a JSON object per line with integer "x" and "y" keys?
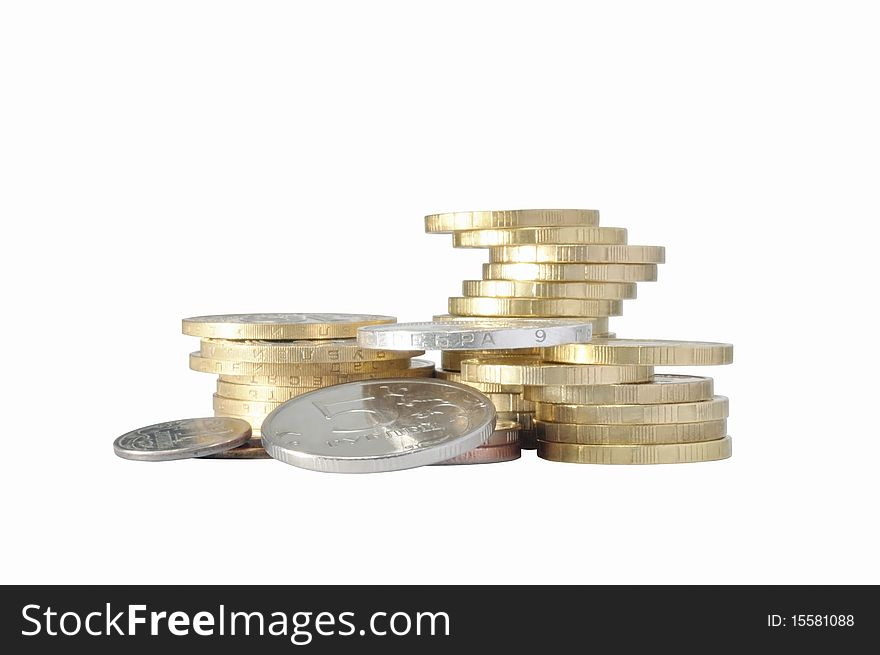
{"x": 595, "y": 402}
{"x": 264, "y": 360}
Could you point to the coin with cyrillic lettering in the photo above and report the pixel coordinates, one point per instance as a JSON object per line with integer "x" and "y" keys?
{"x": 191, "y": 437}
{"x": 485, "y": 335}
{"x": 372, "y": 426}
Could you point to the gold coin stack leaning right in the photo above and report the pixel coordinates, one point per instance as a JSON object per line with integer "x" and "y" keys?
{"x": 594, "y": 403}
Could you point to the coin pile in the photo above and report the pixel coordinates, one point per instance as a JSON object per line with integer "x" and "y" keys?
{"x": 598, "y": 402}
{"x": 264, "y": 360}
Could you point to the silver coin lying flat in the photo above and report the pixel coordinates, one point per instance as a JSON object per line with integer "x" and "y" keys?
{"x": 480, "y": 334}
{"x": 372, "y": 426}
{"x": 190, "y": 437}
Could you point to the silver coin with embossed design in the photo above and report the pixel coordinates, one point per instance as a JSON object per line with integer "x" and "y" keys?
{"x": 489, "y": 334}
{"x": 280, "y": 326}
{"x": 190, "y": 437}
{"x": 378, "y": 425}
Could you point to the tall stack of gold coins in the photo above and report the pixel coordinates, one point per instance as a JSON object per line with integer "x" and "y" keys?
{"x": 263, "y": 360}
{"x": 588, "y": 403}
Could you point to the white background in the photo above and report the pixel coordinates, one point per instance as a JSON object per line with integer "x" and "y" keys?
{"x": 168, "y": 159}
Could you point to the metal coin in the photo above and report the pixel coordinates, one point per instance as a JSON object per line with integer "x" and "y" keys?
{"x": 600, "y": 324}
{"x": 484, "y": 335}
{"x": 485, "y": 387}
{"x": 533, "y": 307}
{"x": 703, "y": 410}
{"x": 191, "y": 437}
{"x": 299, "y": 351}
{"x": 536, "y": 235}
{"x": 631, "y": 434}
{"x": 418, "y": 368}
{"x": 280, "y": 326}
{"x": 537, "y": 289}
{"x": 675, "y": 453}
{"x": 221, "y": 367}
{"x": 663, "y": 389}
{"x": 253, "y": 449}
{"x": 535, "y": 372}
{"x": 506, "y": 432}
{"x": 486, "y": 455}
{"x": 373, "y": 426}
{"x": 644, "y": 352}
{"x": 479, "y": 220}
{"x": 450, "y": 360}
{"x": 594, "y": 254}
{"x": 571, "y": 272}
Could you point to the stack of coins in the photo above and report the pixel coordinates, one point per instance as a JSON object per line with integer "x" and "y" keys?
{"x": 264, "y": 360}
{"x": 586, "y": 403}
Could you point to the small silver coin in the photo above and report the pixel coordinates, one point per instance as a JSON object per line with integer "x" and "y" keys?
{"x": 371, "y": 426}
{"x": 486, "y": 334}
{"x": 190, "y": 437}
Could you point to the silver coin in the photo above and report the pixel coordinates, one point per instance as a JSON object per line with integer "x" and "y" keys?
{"x": 484, "y": 335}
{"x": 378, "y": 425}
{"x": 190, "y": 437}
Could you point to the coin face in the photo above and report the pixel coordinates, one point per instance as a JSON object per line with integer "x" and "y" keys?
{"x": 485, "y": 335}
{"x": 280, "y": 326}
{"x": 383, "y": 425}
{"x": 192, "y": 437}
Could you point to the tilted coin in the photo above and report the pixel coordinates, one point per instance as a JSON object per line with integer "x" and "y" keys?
{"x": 698, "y": 451}
{"x": 631, "y": 434}
{"x": 526, "y": 371}
{"x": 258, "y": 392}
{"x": 572, "y": 273}
{"x": 596, "y": 253}
{"x": 280, "y": 326}
{"x": 367, "y": 426}
{"x": 455, "y": 221}
{"x": 204, "y": 365}
{"x": 455, "y": 335}
{"x": 529, "y": 307}
{"x": 301, "y": 351}
{"x": 646, "y": 352}
{"x": 486, "y": 455}
{"x": 192, "y": 437}
{"x": 455, "y": 376}
{"x": 532, "y": 289}
{"x": 510, "y": 402}
{"x": 600, "y": 325}
{"x": 450, "y": 360}
{"x": 704, "y": 410}
{"x": 534, "y": 235}
{"x": 662, "y": 389}
{"x": 418, "y": 368}
{"x": 252, "y": 449}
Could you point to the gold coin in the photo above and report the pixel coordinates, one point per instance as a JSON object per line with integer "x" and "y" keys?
{"x": 314, "y": 351}
{"x": 595, "y": 253}
{"x": 663, "y": 389}
{"x": 533, "y": 307}
{"x": 535, "y": 235}
{"x": 571, "y": 272}
{"x": 280, "y": 326}
{"x": 418, "y": 368}
{"x": 631, "y": 434}
{"x": 528, "y": 289}
{"x": 510, "y": 402}
{"x": 204, "y": 365}
{"x": 483, "y": 220}
{"x": 450, "y": 360}
{"x": 600, "y": 325}
{"x": 245, "y": 407}
{"x": 259, "y": 392}
{"x": 526, "y": 420}
{"x": 704, "y": 410}
{"x": 698, "y": 451}
{"x": 455, "y": 376}
{"x": 643, "y": 352}
{"x": 533, "y": 371}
